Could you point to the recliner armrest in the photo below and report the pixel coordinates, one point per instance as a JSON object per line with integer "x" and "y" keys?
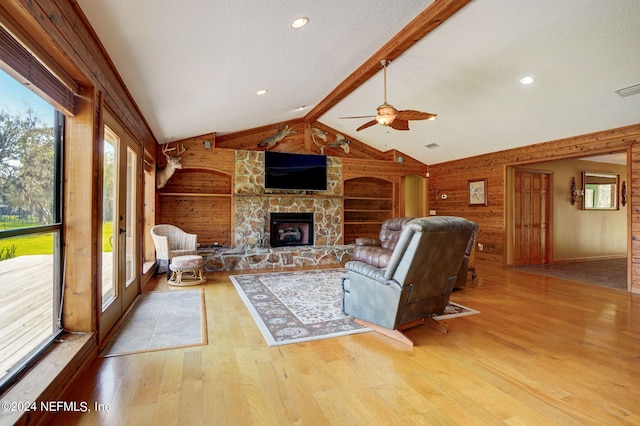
{"x": 367, "y": 242}
{"x": 369, "y": 271}
{"x": 368, "y": 295}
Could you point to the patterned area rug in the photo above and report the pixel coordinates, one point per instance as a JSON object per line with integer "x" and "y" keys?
{"x": 295, "y": 307}
{"x": 161, "y": 320}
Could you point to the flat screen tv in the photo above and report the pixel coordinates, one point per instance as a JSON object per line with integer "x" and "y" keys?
{"x": 305, "y": 172}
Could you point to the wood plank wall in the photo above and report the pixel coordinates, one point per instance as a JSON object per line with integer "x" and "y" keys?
{"x": 451, "y": 178}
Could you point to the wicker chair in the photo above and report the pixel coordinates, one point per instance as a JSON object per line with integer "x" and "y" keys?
{"x": 171, "y": 241}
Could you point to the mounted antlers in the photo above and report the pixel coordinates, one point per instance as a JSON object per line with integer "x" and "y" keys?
{"x": 173, "y": 163}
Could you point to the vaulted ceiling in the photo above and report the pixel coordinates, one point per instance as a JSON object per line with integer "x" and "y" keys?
{"x": 194, "y": 67}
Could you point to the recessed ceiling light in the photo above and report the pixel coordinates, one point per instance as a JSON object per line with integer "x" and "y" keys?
{"x": 300, "y": 22}
{"x": 432, "y": 118}
{"x": 261, "y": 92}
{"x": 527, "y": 80}
{"x": 432, "y": 145}
{"x": 301, "y": 107}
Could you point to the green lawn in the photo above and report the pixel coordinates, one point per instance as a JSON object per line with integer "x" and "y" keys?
{"x": 41, "y": 243}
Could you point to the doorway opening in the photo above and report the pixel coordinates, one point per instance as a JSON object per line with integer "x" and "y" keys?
{"x": 574, "y": 236}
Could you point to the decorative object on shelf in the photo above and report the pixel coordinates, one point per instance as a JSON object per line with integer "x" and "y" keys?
{"x": 387, "y": 115}
{"x": 623, "y": 193}
{"x": 478, "y": 192}
{"x": 173, "y": 163}
{"x": 271, "y": 141}
{"x": 575, "y": 193}
{"x": 340, "y": 141}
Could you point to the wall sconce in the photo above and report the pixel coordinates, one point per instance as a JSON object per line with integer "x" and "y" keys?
{"x": 574, "y": 192}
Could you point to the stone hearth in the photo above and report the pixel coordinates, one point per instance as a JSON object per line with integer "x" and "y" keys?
{"x": 225, "y": 259}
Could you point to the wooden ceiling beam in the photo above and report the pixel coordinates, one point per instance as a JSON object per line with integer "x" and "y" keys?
{"x": 434, "y": 15}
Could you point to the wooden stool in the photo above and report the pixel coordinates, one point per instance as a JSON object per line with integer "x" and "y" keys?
{"x": 186, "y": 270}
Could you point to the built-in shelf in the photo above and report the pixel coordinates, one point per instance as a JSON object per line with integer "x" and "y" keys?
{"x": 192, "y": 194}
{"x": 368, "y": 202}
{"x": 207, "y": 192}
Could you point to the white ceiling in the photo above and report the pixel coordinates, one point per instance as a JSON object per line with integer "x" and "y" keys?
{"x": 194, "y": 67}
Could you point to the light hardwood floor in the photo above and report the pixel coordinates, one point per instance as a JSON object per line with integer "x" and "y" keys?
{"x": 542, "y": 351}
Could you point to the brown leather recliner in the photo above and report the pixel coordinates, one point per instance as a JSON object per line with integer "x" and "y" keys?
{"x": 377, "y": 253}
{"x": 418, "y": 281}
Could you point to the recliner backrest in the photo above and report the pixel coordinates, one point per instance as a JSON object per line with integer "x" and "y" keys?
{"x": 390, "y": 231}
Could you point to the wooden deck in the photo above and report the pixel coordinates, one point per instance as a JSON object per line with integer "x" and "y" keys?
{"x": 26, "y": 305}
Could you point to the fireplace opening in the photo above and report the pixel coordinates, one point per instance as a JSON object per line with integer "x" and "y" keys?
{"x": 291, "y": 229}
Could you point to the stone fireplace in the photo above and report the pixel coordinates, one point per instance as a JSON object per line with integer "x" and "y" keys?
{"x": 291, "y": 229}
{"x": 253, "y": 206}
{"x": 312, "y": 217}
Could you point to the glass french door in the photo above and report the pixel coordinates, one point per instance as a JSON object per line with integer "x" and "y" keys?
{"x": 119, "y": 283}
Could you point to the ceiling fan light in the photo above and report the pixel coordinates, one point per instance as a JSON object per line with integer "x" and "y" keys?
{"x": 384, "y": 120}
{"x": 386, "y": 115}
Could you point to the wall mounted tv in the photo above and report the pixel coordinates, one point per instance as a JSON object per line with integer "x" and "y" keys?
{"x": 306, "y": 172}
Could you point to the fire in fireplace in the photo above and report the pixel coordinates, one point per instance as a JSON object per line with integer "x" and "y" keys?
{"x": 291, "y": 229}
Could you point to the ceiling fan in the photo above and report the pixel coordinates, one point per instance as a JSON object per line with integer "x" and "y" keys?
{"x": 388, "y": 115}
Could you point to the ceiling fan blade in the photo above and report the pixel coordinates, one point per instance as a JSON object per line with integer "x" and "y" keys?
{"x": 399, "y": 124}
{"x": 358, "y": 116}
{"x": 411, "y": 114}
{"x": 367, "y": 124}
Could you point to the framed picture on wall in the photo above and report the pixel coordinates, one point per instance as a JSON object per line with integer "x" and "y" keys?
{"x": 478, "y": 192}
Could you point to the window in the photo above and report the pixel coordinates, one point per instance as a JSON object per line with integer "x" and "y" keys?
{"x": 31, "y": 138}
